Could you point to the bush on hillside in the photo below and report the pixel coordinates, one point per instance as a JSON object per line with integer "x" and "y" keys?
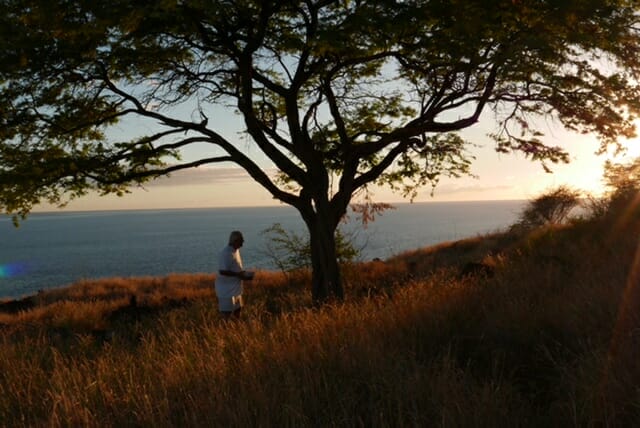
{"x": 623, "y": 183}
{"x": 552, "y": 207}
{"x": 595, "y": 207}
{"x": 290, "y": 251}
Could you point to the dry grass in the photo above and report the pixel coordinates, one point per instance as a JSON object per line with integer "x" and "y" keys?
{"x": 414, "y": 344}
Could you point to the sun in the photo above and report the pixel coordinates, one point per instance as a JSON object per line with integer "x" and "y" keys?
{"x": 590, "y": 176}
{"x": 632, "y": 148}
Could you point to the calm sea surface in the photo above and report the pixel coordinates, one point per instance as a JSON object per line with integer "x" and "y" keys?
{"x": 55, "y": 249}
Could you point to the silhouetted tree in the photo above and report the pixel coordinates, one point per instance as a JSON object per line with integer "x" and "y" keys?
{"x": 338, "y": 95}
{"x": 552, "y": 207}
{"x": 623, "y": 183}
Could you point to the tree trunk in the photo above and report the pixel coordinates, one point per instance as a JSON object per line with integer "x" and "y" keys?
{"x": 326, "y": 284}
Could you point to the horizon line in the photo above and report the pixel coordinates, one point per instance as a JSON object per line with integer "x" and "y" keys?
{"x": 283, "y": 205}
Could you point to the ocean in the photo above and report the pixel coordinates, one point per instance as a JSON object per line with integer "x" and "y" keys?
{"x": 50, "y": 250}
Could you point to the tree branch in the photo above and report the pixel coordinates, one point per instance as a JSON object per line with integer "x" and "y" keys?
{"x": 375, "y": 172}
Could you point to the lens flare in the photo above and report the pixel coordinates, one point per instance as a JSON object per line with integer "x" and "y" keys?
{"x": 9, "y": 270}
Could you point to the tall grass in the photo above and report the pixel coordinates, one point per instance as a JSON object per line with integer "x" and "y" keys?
{"x": 414, "y": 344}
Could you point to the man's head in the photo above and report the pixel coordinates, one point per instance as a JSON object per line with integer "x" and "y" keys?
{"x": 236, "y": 239}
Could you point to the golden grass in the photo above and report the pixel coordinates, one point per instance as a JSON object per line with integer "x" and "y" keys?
{"x": 413, "y": 344}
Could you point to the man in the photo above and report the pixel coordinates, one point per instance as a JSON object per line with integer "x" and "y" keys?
{"x": 230, "y": 276}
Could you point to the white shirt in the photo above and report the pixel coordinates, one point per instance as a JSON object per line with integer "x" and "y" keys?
{"x": 229, "y": 288}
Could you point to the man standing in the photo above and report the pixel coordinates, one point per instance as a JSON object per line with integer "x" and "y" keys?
{"x": 230, "y": 276}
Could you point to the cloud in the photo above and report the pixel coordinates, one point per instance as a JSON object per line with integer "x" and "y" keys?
{"x": 202, "y": 176}
{"x": 207, "y": 176}
{"x": 452, "y": 189}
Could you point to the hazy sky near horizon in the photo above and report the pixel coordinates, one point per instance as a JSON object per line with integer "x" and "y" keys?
{"x": 498, "y": 176}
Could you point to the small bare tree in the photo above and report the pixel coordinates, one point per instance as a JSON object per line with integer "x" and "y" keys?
{"x": 623, "y": 183}
{"x": 291, "y": 251}
{"x": 552, "y": 207}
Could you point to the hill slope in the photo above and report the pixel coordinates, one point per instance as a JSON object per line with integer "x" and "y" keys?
{"x": 545, "y": 336}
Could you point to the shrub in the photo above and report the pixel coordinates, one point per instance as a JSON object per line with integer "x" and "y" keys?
{"x": 552, "y": 207}
{"x": 290, "y": 251}
{"x": 623, "y": 182}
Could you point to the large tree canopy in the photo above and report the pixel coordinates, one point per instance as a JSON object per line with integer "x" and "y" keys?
{"x": 337, "y": 94}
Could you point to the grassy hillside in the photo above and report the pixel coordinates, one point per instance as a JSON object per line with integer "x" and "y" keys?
{"x": 547, "y": 335}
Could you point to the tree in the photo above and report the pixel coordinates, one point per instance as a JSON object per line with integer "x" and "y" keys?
{"x": 552, "y": 207}
{"x": 623, "y": 183}
{"x": 339, "y": 95}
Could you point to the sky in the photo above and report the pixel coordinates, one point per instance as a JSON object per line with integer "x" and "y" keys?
{"x": 498, "y": 176}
